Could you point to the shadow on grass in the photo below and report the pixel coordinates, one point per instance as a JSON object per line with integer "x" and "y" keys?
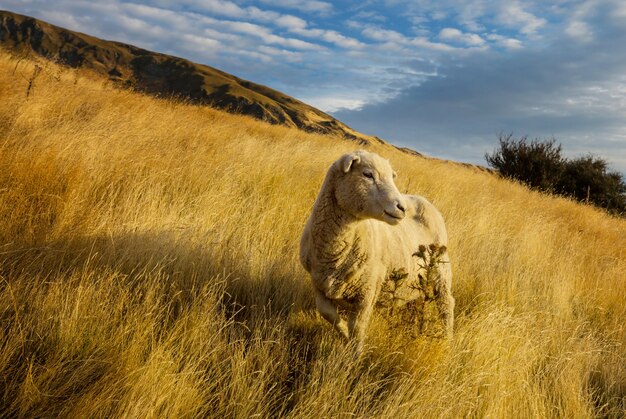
{"x": 272, "y": 306}
{"x": 181, "y": 265}
{"x": 140, "y": 262}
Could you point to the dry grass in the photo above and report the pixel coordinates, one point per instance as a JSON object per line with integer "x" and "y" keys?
{"x": 148, "y": 267}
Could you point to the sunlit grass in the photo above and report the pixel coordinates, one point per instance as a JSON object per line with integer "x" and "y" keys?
{"x": 148, "y": 267}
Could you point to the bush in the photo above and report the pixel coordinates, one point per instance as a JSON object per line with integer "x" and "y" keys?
{"x": 538, "y": 164}
{"x": 541, "y": 166}
{"x": 589, "y": 179}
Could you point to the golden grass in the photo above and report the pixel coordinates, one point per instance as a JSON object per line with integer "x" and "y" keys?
{"x": 148, "y": 267}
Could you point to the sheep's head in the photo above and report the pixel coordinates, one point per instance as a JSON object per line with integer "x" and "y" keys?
{"x": 364, "y": 187}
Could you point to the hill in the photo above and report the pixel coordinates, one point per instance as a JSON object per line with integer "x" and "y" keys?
{"x": 165, "y": 76}
{"x": 149, "y": 267}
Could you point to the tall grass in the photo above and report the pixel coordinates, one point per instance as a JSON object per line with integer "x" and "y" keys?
{"x": 148, "y": 267}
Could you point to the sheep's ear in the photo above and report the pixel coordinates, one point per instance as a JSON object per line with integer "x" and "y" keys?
{"x": 348, "y": 160}
{"x": 394, "y": 174}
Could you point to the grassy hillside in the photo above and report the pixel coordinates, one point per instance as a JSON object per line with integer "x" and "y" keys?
{"x": 165, "y": 76}
{"x": 148, "y": 267}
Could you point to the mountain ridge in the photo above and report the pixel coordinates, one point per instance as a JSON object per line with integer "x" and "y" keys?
{"x": 165, "y": 75}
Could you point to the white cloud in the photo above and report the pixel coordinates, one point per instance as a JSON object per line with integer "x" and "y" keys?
{"x": 64, "y": 20}
{"x": 466, "y": 13}
{"x": 218, "y": 8}
{"x": 217, "y": 28}
{"x": 370, "y": 15}
{"x": 513, "y": 14}
{"x": 266, "y": 35}
{"x": 619, "y": 10}
{"x": 255, "y": 13}
{"x": 300, "y": 27}
{"x": 284, "y": 54}
{"x": 452, "y": 34}
{"x": 292, "y": 23}
{"x": 384, "y": 35}
{"x": 423, "y": 42}
{"x": 396, "y": 41}
{"x": 504, "y": 42}
{"x": 471, "y": 12}
{"x": 438, "y": 15}
{"x": 579, "y": 30}
{"x": 335, "y": 38}
{"x": 477, "y": 16}
{"x": 577, "y": 26}
{"x": 200, "y": 42}
{"x": 313, "y": 6}
{"x": 332, "y": 103}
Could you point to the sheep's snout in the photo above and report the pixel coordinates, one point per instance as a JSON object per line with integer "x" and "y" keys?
{"x": 395, "y": 210}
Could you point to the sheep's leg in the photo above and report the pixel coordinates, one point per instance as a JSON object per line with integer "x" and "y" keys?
{"x": 359, "y": 319}
{"x": 357, "y": 323}
{"x": 328, "y": 310}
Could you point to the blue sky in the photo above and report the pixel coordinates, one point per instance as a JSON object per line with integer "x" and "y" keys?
{"x": 443, "y": 77}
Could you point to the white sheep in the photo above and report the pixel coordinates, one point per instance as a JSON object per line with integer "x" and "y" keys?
{"x": 362, "y": 230}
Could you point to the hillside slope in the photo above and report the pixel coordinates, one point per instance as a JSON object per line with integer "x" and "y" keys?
{"x": 149, "y": 268}
{"x": 165, "y": 76}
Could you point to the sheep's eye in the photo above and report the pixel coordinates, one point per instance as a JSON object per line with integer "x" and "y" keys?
{"x": 369, "y": 175}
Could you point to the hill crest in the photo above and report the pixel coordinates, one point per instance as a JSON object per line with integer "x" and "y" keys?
{"x": 166, "y": 76}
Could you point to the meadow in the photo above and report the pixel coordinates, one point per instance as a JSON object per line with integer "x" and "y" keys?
{"x": 149, "y": 268}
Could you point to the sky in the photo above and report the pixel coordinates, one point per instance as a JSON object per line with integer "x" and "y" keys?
{"x": 443, "y": 77}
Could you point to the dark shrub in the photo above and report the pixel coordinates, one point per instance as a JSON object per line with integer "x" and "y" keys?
{"x": 540, "y": 165}
{"x": 589, "y": 179}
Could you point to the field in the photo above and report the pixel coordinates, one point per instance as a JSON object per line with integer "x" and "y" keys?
{"x": 149, "y": 268}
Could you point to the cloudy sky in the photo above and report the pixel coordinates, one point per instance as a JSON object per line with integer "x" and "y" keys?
{"x": 443, "y": 77}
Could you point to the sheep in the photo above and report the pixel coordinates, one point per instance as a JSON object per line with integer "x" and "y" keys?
{"x": 360, "y": 232}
